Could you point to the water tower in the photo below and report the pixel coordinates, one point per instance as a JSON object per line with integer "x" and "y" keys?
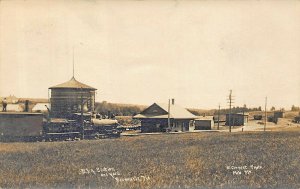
{"x": 70, "y": 97}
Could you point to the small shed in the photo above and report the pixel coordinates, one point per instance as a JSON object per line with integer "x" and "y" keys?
{"x": 277, "y": 114}
{"x": 237, "y": 119}
{"x": 204, "y": 123}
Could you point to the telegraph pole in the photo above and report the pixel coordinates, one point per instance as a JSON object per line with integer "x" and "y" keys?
{"x": 265, "y": 125}
{"x": 219, "y": 117}
{"x": 230, "y": 104}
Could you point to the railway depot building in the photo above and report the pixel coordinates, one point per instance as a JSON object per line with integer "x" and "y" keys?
{"x": 155, "y": 118}
{"x": 70, "y": 97}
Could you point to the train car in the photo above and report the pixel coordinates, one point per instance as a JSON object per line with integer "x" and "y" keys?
{"x": 21, "y": 126}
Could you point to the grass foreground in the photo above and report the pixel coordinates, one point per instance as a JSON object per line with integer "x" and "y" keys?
{"x": 190, "y": 160}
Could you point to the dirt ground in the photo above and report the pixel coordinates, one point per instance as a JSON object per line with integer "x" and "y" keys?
{"x": 283, "y": 124}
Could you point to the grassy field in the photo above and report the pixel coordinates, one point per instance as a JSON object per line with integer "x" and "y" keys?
{"x": 190, "y": 160}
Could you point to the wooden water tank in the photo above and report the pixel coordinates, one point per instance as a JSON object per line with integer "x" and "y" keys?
{"x": 66, "y": 98}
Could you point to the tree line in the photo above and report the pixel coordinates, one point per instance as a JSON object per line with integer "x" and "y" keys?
{"x": 238, "y": 109}
{"x": 116, "y": 109}
{"x": 109, "y": 109}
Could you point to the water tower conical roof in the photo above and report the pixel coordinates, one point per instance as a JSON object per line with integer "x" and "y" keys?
{"x": 72, "y": 84}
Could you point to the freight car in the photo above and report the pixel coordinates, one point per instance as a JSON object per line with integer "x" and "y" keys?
{"x": 257, "y": 117}
{"x": 296, "y": 119}
{"x": 21, "y": 126}
{"x": 34, "y": 127}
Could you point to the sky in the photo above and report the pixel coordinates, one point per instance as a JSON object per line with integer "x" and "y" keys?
{"x": 141, "y": 52}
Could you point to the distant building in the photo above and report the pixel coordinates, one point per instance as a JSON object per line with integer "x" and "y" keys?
{"x": 204, "y": 123}
{"x": 69, "y": 97}
{"x": 155, "y": 118}
{"x": 237, "y": 119}
{"x": 297, "y": 119}
{"x": 278, "y": 114}
{"x": 11, "y": 99}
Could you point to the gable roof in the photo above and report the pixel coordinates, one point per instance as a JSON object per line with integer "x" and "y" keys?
{"x": 72, "y": 84}
{"x": 176, "y": 112}
{"x": 205, "y": 118}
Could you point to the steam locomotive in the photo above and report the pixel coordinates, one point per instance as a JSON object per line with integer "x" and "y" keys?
{"x": 80, "y": 126}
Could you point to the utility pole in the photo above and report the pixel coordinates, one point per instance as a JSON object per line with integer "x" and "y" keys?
{"x": 265, "y": 113}
{"x": 169, "y": 124}
{"x": 219, "y": 117}
{"x": 230, "y": 104}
